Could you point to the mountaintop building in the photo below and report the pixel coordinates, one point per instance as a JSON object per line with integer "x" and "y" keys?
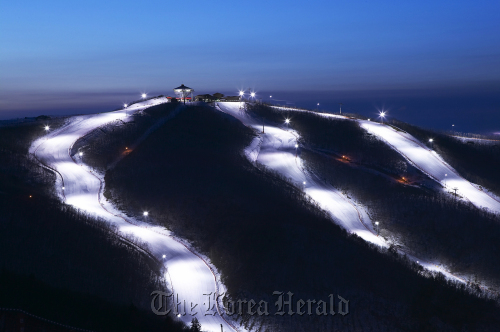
{"x": 183, "y": 92}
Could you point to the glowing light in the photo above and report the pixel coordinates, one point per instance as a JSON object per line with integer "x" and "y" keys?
{"x": 144, "y": 95}
{"x": 376, "y": 223}
{"x": 304, "y": 182}
{"x": 47, "y": 127}
{"x": 63, "y": 188}
{"x": 30, "y": 196}
{"x": 252, "y": 94}
{"x": 125, "y": 105}
{"x": 242, "y": 93}
{"x": 178, "y": 315}
{"x": 270, "y": 96}
{"x": 287, "y": 121}
{"x": 80, "y": 154}
{"x": 146, "y": 213}
{"x": 431, "y": 140}
{"x": 296, "y": 145}
{"x": 164, "y": 256}
{"x": 382, "y": 114}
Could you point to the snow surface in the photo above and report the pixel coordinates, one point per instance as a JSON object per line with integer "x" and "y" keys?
{"x": 432, "y": 164}
{"x": 276, "y": 149}
{"x": 189, "y": 275}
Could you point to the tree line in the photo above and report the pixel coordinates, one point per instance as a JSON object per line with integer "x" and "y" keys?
{"x": 264, "y": 235}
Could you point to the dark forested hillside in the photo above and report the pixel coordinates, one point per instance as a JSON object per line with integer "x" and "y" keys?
{"x": 475, "y": 161}
{"x": 264, "y": 235}
{"x": 59, "y": 263}
{"x": 104, "y": 145}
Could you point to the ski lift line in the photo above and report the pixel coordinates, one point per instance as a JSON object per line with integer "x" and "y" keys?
{"x": 400, "y": 250}
{"x": 438, "y": 159}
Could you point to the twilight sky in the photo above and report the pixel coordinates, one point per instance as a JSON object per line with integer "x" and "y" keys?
{"x": 83, "y": 56}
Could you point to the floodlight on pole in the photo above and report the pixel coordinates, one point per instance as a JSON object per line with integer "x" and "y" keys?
{"x": 287, "y": 121}
{"x": 431, "y": 141}
{"x": 382, "y": 116}
{"x": 252, "y": 94}
{"x": 144, "y": 96}
{"x": 125, "y": 105}
{"x": 145, "y": 213}
{"x": 80, "y": 154}
{"x": 378, "y": 227}
{"x": 164, "y": 256}
{"x": 47, "y": 128}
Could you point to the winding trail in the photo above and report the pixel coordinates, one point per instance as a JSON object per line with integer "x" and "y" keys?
{"x": 191, "y": 276}
{"x": 275, "y": 148}
{"x": 429, "y": 162}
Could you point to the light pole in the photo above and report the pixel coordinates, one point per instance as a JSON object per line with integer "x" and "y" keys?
{"x": 340, "y": 108}
{"x": 445, "y": 179}
{"x": 304, "y": 183}
{"x": 287, "y": 121}
{"x": 296, "y": 147}
{"x": 242, "y": 93}
{"x": 382, "y": 116}
{"x": 378, "y": 227}
{"x": 431, "y": 140}
{"x": 317, "y": 107}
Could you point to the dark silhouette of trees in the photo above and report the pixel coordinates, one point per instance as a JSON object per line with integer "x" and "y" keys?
{"x": 477, "y": 162}
{"x": 195, "y": 325}
{"x": 263, "y": 234}
{"x": 81, "y": 272}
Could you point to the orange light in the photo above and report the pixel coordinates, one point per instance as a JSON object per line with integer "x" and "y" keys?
{"x": 30, "y": 196}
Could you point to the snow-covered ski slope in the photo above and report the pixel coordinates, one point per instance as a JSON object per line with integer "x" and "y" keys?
{"x": 432, "y": 164}
{"x": 187, "y": 272}
{"x": 427, "y": 160}
{"x": 275, "y": 148}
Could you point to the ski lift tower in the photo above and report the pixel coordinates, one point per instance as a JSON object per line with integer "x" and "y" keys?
{"x": 183, "y": 91}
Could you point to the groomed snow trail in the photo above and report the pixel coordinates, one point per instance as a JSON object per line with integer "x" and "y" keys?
{"x": 276, "y": 149}
{"x": 432, "y": 164}
{"x": 187, "y": 272}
